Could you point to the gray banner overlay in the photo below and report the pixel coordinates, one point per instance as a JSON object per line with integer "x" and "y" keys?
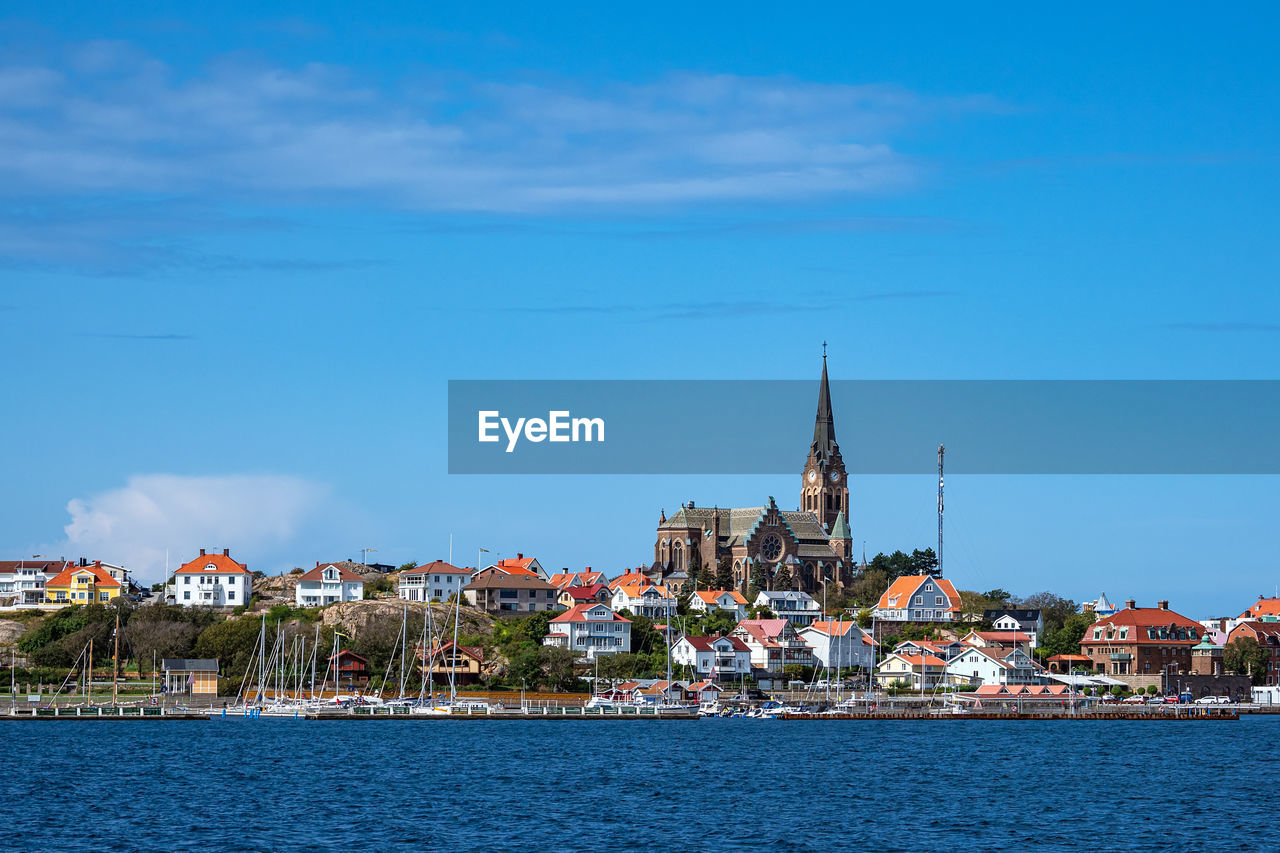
{"x": 882, "y": 426}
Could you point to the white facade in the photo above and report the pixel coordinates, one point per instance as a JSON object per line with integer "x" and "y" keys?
{"x": 216, "y": 589}
{"x": 918, "y": 599}
{"x": 590, "y": 630}
{"x": 438, "y": 581}
{"x": 796, "y": 607}
{"x": 25, "y": 584}
{"x": 834, "y": 649}
{"x": 328, "y": 585}
{"x": 652, "y": 601}
{"x": 977, "y": 666}
{"x": 713, "y": 657}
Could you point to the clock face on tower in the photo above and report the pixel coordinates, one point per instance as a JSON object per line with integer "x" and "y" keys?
{"x": 813, "y": 475}
{"x": 835, "y": 476}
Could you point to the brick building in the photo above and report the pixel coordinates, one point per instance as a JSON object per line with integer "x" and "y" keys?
{"x": 1142, "y": 641}
{"x": 1268, "y": 636}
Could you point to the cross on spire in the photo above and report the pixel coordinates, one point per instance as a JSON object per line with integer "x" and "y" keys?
{"x": 824, "y": 350}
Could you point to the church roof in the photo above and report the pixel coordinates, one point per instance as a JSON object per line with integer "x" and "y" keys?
{"x": 824, "y": 426}
{"x": 736, "y": 523}
{"x": 840, "y": 530}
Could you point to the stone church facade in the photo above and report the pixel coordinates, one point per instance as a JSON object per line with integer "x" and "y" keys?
{"x": 813, "y": 542}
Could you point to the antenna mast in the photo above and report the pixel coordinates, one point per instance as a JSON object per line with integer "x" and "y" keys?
{"x": 941, "y": 451}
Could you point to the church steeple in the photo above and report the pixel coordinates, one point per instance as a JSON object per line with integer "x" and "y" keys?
{"x": 823, "y": 489}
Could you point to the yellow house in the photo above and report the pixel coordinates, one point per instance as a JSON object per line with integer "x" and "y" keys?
{"x": 81, "y": 585}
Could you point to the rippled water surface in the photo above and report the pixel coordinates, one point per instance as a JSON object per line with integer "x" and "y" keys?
{"x": 718, "y": 785}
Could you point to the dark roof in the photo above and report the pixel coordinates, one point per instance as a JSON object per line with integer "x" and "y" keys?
{"x": 824, "y": 426}
{"x": 189, "y": 665}
{"x": 494, "y": 579}
{"x": 1020, "y": 615}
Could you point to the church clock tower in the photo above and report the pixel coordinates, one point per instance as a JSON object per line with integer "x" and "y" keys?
{"x": 824, "y": 490}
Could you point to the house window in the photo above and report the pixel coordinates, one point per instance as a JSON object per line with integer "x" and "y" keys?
{"x": 186, "y": 594}
{"x": 186, "y": 579}
{"x": 937, "y": 601}
{"x": 211, "y": 568}
{"x": 231, "y": 595}
{"x": 919, "y": 600}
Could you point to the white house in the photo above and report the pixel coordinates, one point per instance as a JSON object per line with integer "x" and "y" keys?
{"x": 519, "y": 565}
{"x": 774, "y": 644}
{"x": 839, "y": 644}
{"x": 434, "y": 581}
{"x": 326, "y": 584}
{"x": 644, "y": 599}
{"x": 590, "y": 629}
{"x": 729, "y": 600}
{"x": 796, "y": 607}
{"x": 23, "y": 580}
{"x": 991, "y": 665}
{"x": 724, "y": 658}
{"x": 211, "y": 580}
{"x": 1009, "y": 619}
{"x": 919, "y": 598}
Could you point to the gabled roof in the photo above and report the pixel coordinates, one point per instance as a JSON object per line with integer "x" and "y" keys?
{"x": 898, "y": 595}
{"x": 1142, "y": 619}
{"x": 713, "y": 596}
{"x": 564, "y": 580}
{"x": 494, "y": 579}
{"x": 643, "y": 588}
{"x": 764, "y": 631}
{"x": 702, "y": 686}
{"x": 707, "y": 644}
{"x": 917, "y": 660}
{"x": 833, "y": 628}
{"x": 436, "y": 567}
{"x": 474, "y": 652}
{"x": 583, "y": 593}
{"x": 317, "y": 574}
{"x": 579, "y": 613}
{"x": 100, "y": 576}
{"x": 222, "y": 564}
{"x": 999, "y": 636}
{"x": 49, "y": 567}
{"x": 1262, "y": 607}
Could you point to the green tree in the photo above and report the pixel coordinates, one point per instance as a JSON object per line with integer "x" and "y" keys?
{"x": 759, "y": 582}
{"x": 924, "y": 563}
{"x": 1065, "y": 639}
{"x": 783, "y": 580}
{"x": 724, "y": 573}
{"x": 231, "y": 643}
{"x": 867, "y": 587}
{"x": 1246, "y": 656}
{"x": 557, "y": 667}
{"x": 998, "y": 597}
{"x": 1054, "y": 609}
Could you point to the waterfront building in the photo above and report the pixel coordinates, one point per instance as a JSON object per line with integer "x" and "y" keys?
{"x": 211, "y": 580}
{"x": 839, "y": 644}
{"x": 589, "y": 629}
{"x": 728, "y": 600}
{"x": 81, "y": 585}
{"x": 1028, "y": 621}
{"x": 774, "y": 644}
{"x": 434, "y": 581}
{"x": 994, "y": 665}
{"x": 350, "y": 670}
{"x": 328, "y": 584}
{"x": 716, "y": 658}
{"x": 1142, "y": 641}
{"x": 814, "y": 542}
{"x": 197, "y": 677}
{"x": 918, "y": 598}
{"x": 464, "y": 663}
{"x": 504, "y": 592}
{"x": 919, "y": 672}
{"x": 1003, "y": 640}
{"x": 1206, "y": 657}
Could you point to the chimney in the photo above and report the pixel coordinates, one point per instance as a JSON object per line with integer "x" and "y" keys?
{"x": 97, "y": 564}
{"x": 226, "y": 552}
{"x": 85, "y": 562}
{"x": 201, "y": 552}
{"x": 519, "y": 556}
{"x": 1130, "y": 604}
{"x": 1163, "y": 605}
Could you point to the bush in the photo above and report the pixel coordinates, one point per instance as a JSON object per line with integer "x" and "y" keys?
{"x": 1152, "y": 690}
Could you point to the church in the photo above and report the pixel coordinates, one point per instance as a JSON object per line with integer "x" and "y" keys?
{"x": 814, "y": 542}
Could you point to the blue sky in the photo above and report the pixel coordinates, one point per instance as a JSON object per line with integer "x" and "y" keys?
{"x": 241, "y": 256}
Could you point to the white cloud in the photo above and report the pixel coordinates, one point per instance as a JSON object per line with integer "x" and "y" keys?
{"x": 239, "y": 131}
{"x": 257, "y": 516}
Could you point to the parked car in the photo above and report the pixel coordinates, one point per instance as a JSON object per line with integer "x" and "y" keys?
{"x": 1224, "y": 700}
{"x": 1155, "y": 700}
{"x": 1207, "y": 700}
{"x": 1133, "y": 700}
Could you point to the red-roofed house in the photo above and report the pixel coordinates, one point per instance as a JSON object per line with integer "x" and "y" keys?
{"x": 211, "y": 580}
{"x": 911, "y": 670}
{"x": 596, "y": 592}
{"x": 774, "y": 644}
{"x": 919, "y": 598}
{"x": 520, "y": 565}
{"x": 723, "y": 658}
{"x": 1142, "y": 641}
{"x": 839, "y": 644}
{"x": 434, "y": 581}
{"x": 643, "y": 598}
{"x": 1262, "y": 607}
{"x": 564, "y": 580}
{"x": 81, "y": 585}
{"x": 703, "y": 691}
{"x": 998, "y": 640}
{"x": 465, "y": 663}
{"x": 729, "y": 600}
{"x": 326, "y": 584}
{"x": 590, "y": 629}
{"x": 994, "y": 665}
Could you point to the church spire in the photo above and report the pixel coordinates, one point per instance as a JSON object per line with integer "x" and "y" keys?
{"x": 824, "y": 425}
